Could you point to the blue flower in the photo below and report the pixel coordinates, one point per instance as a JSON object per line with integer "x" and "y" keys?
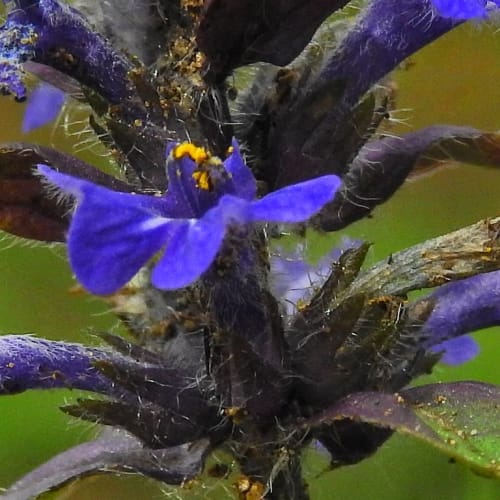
{"x": 463, "y": 9}
{"x": 113, "y": 234}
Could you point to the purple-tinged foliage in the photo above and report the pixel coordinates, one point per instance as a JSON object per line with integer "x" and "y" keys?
{"x": 112, "y": 234}
{"x": 215, "y": 362}
{"x": 444, "y": 416}
{"x": 117, "y": 451}
{"x": 44, "y": 105}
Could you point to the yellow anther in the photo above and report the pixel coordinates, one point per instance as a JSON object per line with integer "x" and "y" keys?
{"x": 198, "y": 155}
{"x": 230, "y": 150}
{"x": 249, "y": 489}
{"x": 202, "y": 180}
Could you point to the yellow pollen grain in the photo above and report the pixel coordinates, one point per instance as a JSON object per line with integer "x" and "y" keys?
{"x": 198, "y": 155}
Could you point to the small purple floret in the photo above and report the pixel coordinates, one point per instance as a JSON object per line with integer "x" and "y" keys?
{"x": 44, "y": 105}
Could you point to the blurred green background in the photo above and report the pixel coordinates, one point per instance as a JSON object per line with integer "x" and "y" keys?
{"x": 456, "y": 81}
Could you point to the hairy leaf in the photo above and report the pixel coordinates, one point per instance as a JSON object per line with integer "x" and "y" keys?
{"x": 460, "y": 419}
{"x": 471, "y": 250}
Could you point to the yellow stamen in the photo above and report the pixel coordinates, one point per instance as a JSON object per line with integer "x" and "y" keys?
{"x": 202, "y": 180}
{"x": 198, "y": 155}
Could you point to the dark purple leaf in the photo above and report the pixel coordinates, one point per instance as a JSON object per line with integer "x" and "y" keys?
{"x": 238, "y": 32}
{"x": 50, "y": 75}
{"x": 349, "y": 442}
{"x": 294, "y": 122}
{"x": 156, "y": 426}
{"x": 161, "y": 385}
{"x": 27, "y": 207}
{"x": 255, "y": 386}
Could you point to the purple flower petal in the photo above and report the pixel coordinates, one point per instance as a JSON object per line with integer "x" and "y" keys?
{"x": 27, "y": 362}
{"x": 44, "y": 105}
{"x": 233, "y": 177}
{"x": 244, "y": 182}
{"x": 190, "y": 252}
{"x": 461, "y": 9}
{"x": 465, "y": 306}
{"x": 296, "y": 203}
{"x": 181, "y": 186}
{"x": 462, "y": 307}
{"x": 112, "y": 234}
{"x": 457, "y": 351}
